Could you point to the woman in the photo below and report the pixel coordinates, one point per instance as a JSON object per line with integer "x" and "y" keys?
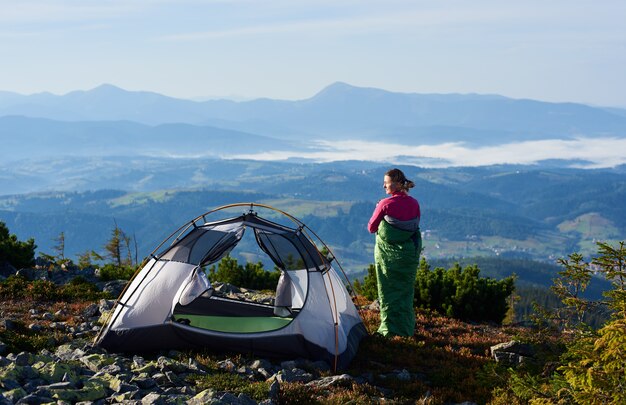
{"x": 398, "y": 245}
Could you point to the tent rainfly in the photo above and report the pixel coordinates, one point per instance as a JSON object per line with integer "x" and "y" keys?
{"x": 169, "y": 303}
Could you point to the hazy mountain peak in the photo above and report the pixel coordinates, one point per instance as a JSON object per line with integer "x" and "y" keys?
{"x": 342, "y": 89}
{"x": 107, "y": 87}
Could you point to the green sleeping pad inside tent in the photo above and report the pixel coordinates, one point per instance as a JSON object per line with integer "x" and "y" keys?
{"x": 235, "y": 324}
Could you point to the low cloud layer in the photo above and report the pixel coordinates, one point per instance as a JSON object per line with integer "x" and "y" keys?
{"x": 588, "y": 152}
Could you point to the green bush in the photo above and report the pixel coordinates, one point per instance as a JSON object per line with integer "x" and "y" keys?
{"x": 18, "y": 287}
{"x": 81, "y": 289}
{"x": 462, "y": 294}
{"x": 13, "y": 287}
{"x": 252, "y": 275}
{"x": 19, "y": 254}
{"x": 369, "y": 287}
{"x": 592, "y": 367}
{"x": 457, "y": 292}
{"x": 111, "y": 271}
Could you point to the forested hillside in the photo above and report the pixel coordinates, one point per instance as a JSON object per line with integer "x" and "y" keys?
{"x": 522, "y": 212}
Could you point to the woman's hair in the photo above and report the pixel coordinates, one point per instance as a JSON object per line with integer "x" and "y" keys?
{"x": 398, "y": 177}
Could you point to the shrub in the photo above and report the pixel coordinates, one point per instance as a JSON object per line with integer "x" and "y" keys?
{"x": 369, "y": 287}
{"x": 252, "y": 275}
{"x": 19, "y": 254}
{"x": 111, "y": 271}
{"x": 592, "y": 368}
{"x": 461, "y": 293}
{"x": 13, "y": 287}
{"x": 18, "y": 287}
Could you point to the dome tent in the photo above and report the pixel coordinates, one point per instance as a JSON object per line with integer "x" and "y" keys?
{"x": 169, "y": 303}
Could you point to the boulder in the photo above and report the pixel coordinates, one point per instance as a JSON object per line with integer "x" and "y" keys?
{"x": 512, "y": 353}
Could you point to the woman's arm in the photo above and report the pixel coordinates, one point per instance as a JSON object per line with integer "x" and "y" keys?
{"x": 377, "y": 216}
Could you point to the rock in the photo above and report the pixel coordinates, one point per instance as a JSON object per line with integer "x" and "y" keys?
{"x": 294, "y": 375}
{"x": 226, "y": 288}
{"x": 153, "y": 398}
{"x": 15, "y": 394}
{"x": 33, "y": 399}
{"x": 261, "y": 363}
{"x": 6, "y": 269}
{"x": 91, "y": 311}
{"x": 138, "y": 362}
{"x": 34, "y": 327}
{"x": 343, "y": 380}
{"x": 274, "y": 390}
{"x": 143, "y": 381}
{"x": 203, "y": 397}
{"x": 113, "y": 287}
{"x": 3, "y": 399}
{"x": 57, "y": 372}
{"x": 8, "y": 324}
{"x": 96, "y": 361}
{"x": 374, "y": 306}
{"x": 512, "y": 353}
{"x": 227, "y": 365}
{"x": 23, "y": 359}
{"x": 90, "y": 392}
{"x": 3, "y": 347}
{"x": 105, "y": 305}
{"x": 403, "y": 375}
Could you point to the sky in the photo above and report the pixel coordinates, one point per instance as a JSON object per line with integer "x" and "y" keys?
{"x": 557, "y": 50}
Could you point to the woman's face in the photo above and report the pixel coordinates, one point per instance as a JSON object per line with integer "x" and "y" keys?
{"x": 389, "y": 186}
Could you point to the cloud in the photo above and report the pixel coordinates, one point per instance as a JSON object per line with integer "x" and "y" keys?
{"x": 604, "y": 152}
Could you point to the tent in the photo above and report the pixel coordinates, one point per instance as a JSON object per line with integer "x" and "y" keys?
{"x": 170, "y": 303}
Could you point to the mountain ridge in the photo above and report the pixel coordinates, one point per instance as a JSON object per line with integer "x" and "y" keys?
{"x": 338, "y": 111}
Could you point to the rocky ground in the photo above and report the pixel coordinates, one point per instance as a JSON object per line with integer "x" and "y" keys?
{"x": 77, "y": 372}
{"x": 46, "y": 356}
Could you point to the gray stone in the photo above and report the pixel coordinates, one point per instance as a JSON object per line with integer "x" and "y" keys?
{"x": 512, "y": 353}
{"x": 227, "y": 365}
{"x": 23, "y": 359}
{"x": 342, "y": 380}
{"x": 35, "y": 327}
{"x": 3, "y": 347}
{"x": 144, "y": 382}
{"x": 105, "y": 305}
{"x": 404, "y": 375}
{"x": 9, "y": 384}
{"x": 15, "y": 394}
{"x": 263, "y": 373}
{"x": 4, "y": 400}
{"x": 261, "y": 363}
{"x": 274, "y": 390}
{"x": 294, "y": 375}
{"x": 91, "y": 311}
{"x": 8, "y": 324}
{"x": 203, "y": 397}
{"x": 61, "y": 312}
{"x": 33, "y": 399}
{"x": 58, "y": 385}
{"x": 138, "y": 362}
{"x": 153, "y": 398}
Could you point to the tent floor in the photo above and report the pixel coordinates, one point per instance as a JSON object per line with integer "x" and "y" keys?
{"x": 234, "y": 324}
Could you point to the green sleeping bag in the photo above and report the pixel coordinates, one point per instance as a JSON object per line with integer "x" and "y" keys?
{"x": 397, "y": 258}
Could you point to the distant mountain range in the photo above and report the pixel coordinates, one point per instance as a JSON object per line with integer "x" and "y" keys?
{"x": 98, "y": 119}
